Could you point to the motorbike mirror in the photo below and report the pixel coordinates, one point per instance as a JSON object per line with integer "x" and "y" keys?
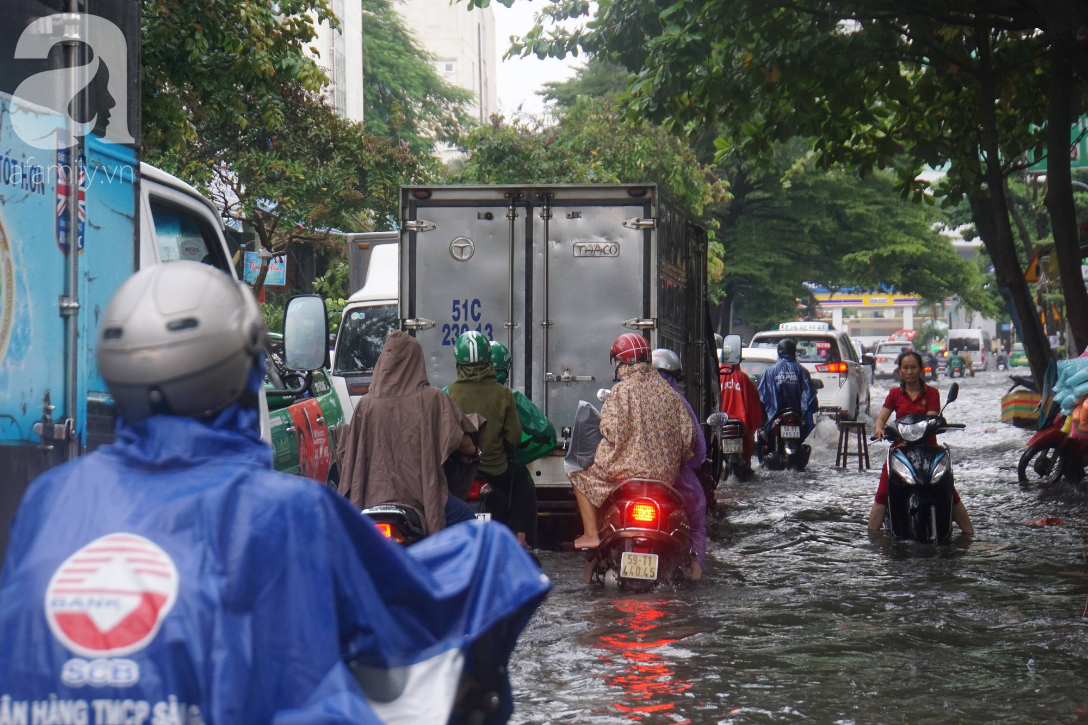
{"x": 953, "y": 393}
{"x": 817, "y": 384}
{"x": 717, "y": 420}
{"x": 603, "y": 393}
{"x": 731, "y": 350}
{"x": 305, "y": 333}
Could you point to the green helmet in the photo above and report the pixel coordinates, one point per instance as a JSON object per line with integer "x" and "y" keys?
{"x": 500, "y": 358}
{"x": 472, "y": 347}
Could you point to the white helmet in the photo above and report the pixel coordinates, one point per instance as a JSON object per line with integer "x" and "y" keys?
{"x": 178, "y": 338}
{"x": 669, "y": 361}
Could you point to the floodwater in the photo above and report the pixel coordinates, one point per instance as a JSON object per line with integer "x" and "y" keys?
{"x": 803, "y": 617}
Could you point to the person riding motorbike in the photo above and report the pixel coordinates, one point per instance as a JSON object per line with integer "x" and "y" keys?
{"x": 740, "y": 400}
{"x": 477, "y": 390}
{"x": 376, "y": 465}
{"x": 912, "y": 396}
{"x": 668, "y": 365}
{"x": 645, "y": 433}
{"x": 787, "y": 384}
{"x": 537, "y": 432}
{"x": 175, "y": 569}
{"x": 1002, "y": 362}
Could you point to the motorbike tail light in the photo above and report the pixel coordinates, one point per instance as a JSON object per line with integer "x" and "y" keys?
{"x": 642, "y": 513}
{"x": 929, "y": 369}
{"x": 478, "y": 490}
{"x": 390, "y": 531}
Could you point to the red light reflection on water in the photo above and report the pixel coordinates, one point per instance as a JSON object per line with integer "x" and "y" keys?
{"x": 648, "y": 680}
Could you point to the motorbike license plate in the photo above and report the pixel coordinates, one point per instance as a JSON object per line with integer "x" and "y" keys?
{"x": 732, "y": 445}
{"x": 483, "y": 517}
{"x": 638, "y": 566}
{"x": 791, "y": 431}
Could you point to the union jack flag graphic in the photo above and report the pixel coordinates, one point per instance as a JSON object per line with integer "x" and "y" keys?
{"x": 64, "y": 179}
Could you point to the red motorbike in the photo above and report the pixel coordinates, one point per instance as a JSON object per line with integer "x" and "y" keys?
{"x": 1051, "y": 453}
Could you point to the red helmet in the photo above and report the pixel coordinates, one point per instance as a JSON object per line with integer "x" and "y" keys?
{"x": 630, "y": 348}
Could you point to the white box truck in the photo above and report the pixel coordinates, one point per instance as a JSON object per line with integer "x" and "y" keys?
{"x": 557, "y": 273}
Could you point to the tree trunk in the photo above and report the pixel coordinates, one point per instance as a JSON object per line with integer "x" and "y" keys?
{"x": 1066, "y": 23}
{"x": 1059, "y": 199}
{"x": 1021, "y": 227}
{"x": 991, "y": 215}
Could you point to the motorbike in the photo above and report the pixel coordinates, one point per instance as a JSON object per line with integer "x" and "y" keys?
{"x": 1002, "y": 361}
{"x": 397, "y": 522}
{"x": 920, "y": 481}
{"x": 645, "y": 538}
{"x": 783, "y": 447}
{"x": 1052, "y": 453}
{"x": 929, "y": 367}
{"x": 956, "y": 366}
{"x": 732, "y": 438}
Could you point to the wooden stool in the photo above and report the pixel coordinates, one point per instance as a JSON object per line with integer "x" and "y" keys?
{"x": 843, "y": 452}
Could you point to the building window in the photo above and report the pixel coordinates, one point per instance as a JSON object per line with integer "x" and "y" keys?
{"x": 447, "y": 68}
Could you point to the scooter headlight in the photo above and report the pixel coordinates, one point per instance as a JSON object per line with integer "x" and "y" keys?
{"x": 941, "y": 467}
{"x": 903, "y": 469}
{"x": 914, "y": 431}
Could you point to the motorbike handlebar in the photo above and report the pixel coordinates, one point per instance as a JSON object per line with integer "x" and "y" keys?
{"x": 957, "y": 426}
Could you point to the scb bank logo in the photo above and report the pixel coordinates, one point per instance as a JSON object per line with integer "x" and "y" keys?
{"x": 107, "y": 42}
{"x": 110, "y": 597}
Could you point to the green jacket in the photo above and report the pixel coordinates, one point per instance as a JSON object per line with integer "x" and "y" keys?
{"x": 477, "y": 391}
{"x": 537, "y": 432}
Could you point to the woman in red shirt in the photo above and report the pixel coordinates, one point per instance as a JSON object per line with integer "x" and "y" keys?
{"x": 913, "y": 396}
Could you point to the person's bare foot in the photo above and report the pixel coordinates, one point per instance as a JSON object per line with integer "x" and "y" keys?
{"x": 696, "y": 571}
{"x": 587, "y": 541}
{"x": 523, "y": 541}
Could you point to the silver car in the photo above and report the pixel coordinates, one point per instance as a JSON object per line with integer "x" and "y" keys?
{"x": 886, "y": 353}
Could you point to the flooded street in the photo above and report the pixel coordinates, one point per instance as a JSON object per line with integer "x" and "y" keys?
{"x": 803, "y": 617}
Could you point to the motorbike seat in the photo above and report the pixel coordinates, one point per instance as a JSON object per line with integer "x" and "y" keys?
{"x": 409, "y": 513}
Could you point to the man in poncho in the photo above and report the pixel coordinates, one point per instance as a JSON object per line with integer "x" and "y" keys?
{"x": 402, "y": 432}
{"x": 645, "y": 433}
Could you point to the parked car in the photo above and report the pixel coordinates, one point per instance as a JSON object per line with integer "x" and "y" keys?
{"x": 830, "y": 357}
{"x": 886, "y": 353}
{"x": 303, "y": 427}
{"x": 755, "y": 361}
{"x": 1018, "y": 358}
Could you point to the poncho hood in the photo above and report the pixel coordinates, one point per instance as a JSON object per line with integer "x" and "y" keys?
{"x": 401, "y": 369}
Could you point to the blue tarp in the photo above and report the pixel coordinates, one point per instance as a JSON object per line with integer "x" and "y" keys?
{"x": 175, "y": 573}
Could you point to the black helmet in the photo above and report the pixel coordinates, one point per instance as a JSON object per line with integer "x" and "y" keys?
{"x": 787, "y": 347}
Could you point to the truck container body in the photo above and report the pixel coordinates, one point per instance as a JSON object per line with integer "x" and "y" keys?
{"x": 557, "y": 273}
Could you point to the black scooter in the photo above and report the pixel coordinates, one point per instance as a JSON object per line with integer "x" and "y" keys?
{"x": 920, "y": 479}
{"x": 732, "y": 437}
{"x": 783, "y": 448}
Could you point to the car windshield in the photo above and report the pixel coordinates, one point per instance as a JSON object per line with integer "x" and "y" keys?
{"x": 971, "y": 344}
{"x": 754, "y": 369}
{"x": 809, "y": 349}
{"x": 1018, "y": 347}
{"x": 890, "y": 349}
{"x": 362, "y": 335}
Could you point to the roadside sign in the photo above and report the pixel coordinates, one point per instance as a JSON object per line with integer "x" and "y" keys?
{"x": 277, "y": 270}
{"x": 1078, "y": 149}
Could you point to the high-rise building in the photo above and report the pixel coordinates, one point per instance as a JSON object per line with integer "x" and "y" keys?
{"x": 341, "y": 56}
{"x": 462, "y": 42}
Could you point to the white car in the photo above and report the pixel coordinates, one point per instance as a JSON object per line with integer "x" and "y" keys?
{"x": 754, "y": 362}
{"x": 830, "y": 357}
{"x": 886, "y": 354}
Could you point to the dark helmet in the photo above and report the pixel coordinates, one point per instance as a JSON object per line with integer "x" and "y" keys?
{"x": 787, "y": 347}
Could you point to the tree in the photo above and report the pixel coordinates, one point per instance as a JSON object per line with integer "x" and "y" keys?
{"x": 317, "y": 173}
{"x": 406, "y": 99}
{"x": 224, "y": 60}
{"x": 874, "y": 83}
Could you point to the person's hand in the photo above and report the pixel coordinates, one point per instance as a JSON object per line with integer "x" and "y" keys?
{"x": 878, "y": 432}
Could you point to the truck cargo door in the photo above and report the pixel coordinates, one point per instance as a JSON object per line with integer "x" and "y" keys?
{"x": 456, "y": 275}
{"x": 594, "y": 279}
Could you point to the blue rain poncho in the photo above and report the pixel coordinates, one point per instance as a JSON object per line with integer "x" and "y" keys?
{"x": 786, "y": 384}
{"x": 174, "y": 577}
